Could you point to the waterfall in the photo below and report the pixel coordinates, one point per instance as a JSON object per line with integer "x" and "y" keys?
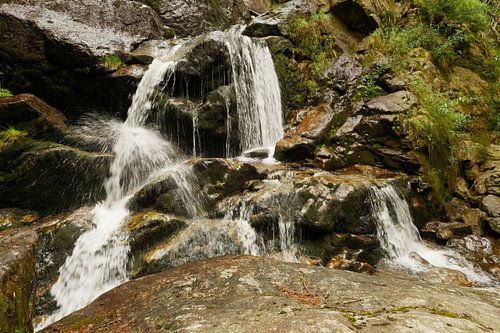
{"x": 257, "y": 91}
{"x": 99, "y": 260}
{"x": 401, "y": 241}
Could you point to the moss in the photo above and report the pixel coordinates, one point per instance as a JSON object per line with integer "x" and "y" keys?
{"x": 155, "y": 4}
{"x": 10, "y": 135}
{"x": 350, "y": 318}
{"x": 111, "y": 61}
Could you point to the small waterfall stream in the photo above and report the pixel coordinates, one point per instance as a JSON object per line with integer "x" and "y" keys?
{"x": 401, "y": 241}
{"x": 257, "y": 91}
{"x": 99, "y": 260}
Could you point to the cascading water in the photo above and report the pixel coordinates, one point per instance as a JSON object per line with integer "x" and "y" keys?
{"x": 401, "y": 241}
{"x": 99, "y": 260}
{"x": 257, "y": 91}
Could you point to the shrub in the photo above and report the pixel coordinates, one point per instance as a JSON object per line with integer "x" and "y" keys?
{"x": 313, "y": 40}
{"x": 397, "y": 43}
{"x": 469, "y": 14}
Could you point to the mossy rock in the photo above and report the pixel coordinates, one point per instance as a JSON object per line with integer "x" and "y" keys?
{"x": 17, "y": 279}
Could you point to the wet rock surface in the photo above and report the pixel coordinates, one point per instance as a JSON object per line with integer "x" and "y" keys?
{"x": 57, "y": 236}
{"x": 17, "y": 279}
{"x": 248, "y": 294}
{"x": 49, "y": 177}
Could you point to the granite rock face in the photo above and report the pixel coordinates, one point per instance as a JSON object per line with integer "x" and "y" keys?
{"x": 249, "y": 294}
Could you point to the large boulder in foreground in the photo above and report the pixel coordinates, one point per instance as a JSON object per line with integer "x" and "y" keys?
{"x": 17, "y": 279}
{"x": 256, "y": 294}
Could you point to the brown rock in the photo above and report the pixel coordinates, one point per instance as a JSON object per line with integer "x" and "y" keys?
{"x": 294, "y": 148}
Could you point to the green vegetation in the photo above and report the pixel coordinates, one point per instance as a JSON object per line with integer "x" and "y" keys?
{"x": 449, "y": 33}
{"x": 111, "y": 61}
{"x": 368, "y": 86}
{"x": 313, "y": 40}
{"x": 5, "y": 92}
{"x": 10, "y": 135}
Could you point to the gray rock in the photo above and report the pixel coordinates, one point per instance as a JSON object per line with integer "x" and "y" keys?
{"x": 228, "y": 294}
{"x": 491, "y": 205}
{"x": 73, "y": 33}
{"x": 397, "y": 102}
{"x": 191, "y": 18}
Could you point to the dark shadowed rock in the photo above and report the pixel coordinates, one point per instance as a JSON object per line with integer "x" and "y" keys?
{"x": 229, "y": 294}
{"x": 17, "y": 279}
{"x": 49, "y": 177}
{"x": 28, "y": 113}
{"x": 294, "y": 148}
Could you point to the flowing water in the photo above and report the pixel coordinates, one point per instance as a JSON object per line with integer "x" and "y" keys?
{"x": 401, "y": 241}
{"x": 99, "y": 260}
{"x": 257, "y": 91}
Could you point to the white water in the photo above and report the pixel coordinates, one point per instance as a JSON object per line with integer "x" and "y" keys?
{"x": 400, "y": 238}
{"x": 99, "y": 260}
{"x": 257, "y": 91}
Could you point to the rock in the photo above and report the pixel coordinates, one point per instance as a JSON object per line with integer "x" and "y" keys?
{"x": 28, "y": 113}
{"x": 275, "y": 22}
{"x": 15, "y": 217}
{"x": 466, "y": 82}
{"x": 189, "y": 18}
{"x": 447, "y": 276}
{"x": 73, "y": 34}
{"x": 475, "y": 218}
{"x": 491, "y": 205}
{"x": 294, "y": 148}
{"x": 488, "y": 178}
{"x": 57, "y": 48}
{"x": 356, "y": 16}
{"x": 17, "y": 279}
{"x": 480, "y": 251}
{"x": 146, "y": 229}
{"x": 50, "y": 178}
{"x": 454, "y": 209}
{"x": 398, "y": 102}
{"x": 225, "y": 177}
{"x": 444, "y": 231}
{"x": 195, "y": 240}
{"x": 462, "y": 189}
{"x": 343, "y": 73}
{"x": 57, "y": 236}
{"x": 232, "y": 291}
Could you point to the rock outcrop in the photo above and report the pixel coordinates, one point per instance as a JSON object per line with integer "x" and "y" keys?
{"x": 248, "y": 294}
{"x": 17, "y": 279}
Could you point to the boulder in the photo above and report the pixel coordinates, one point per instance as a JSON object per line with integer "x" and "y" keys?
{"x": 28, "y": 113}
{"x": 73, "y": 34}
{"x": 17, "y": 279}
{"x": 50, "y": 178}
{"x": 440, "y": 231}
{"x": 192, "y": 18}
{"x": 398, "y": 102}
{"x": 294, "y": 148}
{"x": 147, "y": 230}
{"x": 227, "y": 294}
{"x": 491, "y": 205}
{"x": 488, "y": 175}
